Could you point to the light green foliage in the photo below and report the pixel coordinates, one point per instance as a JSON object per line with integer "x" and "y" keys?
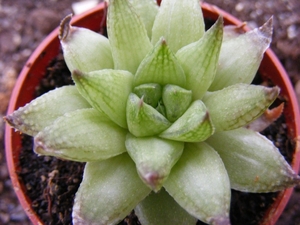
{"x": 141, "y": 115}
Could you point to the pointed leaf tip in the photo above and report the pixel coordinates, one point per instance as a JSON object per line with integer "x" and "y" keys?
{"x": 79, "y": 44}
{"x": 160, "y": 66}
{"x": 64, "y": 27}
{"x": 77, "y": 73}
{"x": 142, "y": 119}
{"x": 154, "y": 158}
{"x": 272, "y": 93}
{"x": 107, "y": 91}
{"x": 267, "y": 28}
{"x": 199, "y": 59}
{"x": 246, "y": 51}
{"x": 193, "y": 126}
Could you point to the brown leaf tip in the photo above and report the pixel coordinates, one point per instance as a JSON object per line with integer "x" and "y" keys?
{"x": 77, "y": 73}
{"x": 13, "y": 121}
{"x": 272, "y": 93}
{"x": 64, "y": 27}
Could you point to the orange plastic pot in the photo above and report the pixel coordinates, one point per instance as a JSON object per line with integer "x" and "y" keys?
{"x": 35, "y": 68}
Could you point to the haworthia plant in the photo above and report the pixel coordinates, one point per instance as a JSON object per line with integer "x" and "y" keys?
{"x": 158, "y": 111}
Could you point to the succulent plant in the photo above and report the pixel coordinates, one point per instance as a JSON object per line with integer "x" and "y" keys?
{"x": 158, "y": 111}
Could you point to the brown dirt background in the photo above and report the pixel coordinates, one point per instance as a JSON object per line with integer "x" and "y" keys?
{"x": 24, "y": 23}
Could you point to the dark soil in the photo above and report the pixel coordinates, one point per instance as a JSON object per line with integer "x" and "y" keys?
{"x": 24, "y": 23}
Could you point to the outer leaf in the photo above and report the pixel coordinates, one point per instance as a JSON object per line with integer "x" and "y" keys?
{"x": 199, "y": 60}
{"x": 253, "y": 163}
{"x": 109, "y": 191}
{"x": 154, "y": 158}
{"x": 142, "y": 119}
{"x": 84, "y": 49}
{"x": 238, "y": 105}
{"x": 193, "y": 126}
{"x": 129, "y": 46}
{"x": 160, "y": 66}
{"x": 240, "y": 57}
{"x": 107, "y": 91}
{"x": 42, "y": 111}
{"x": 147, "y": 10}
{"x": 199, "y": 183}
{"x": 161, "y": 208}
{"x": 82, "y": 135}
{"x": 179, "y": 22}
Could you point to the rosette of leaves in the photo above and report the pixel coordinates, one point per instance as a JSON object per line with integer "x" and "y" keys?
{"x": 158, "y": 111}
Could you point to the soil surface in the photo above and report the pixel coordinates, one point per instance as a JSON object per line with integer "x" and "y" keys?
{"x": 24, "y": 23}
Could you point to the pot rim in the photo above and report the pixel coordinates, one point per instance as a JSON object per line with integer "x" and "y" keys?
{"x": 80, "y": 20}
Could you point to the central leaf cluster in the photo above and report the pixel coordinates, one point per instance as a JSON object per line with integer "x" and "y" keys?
{"x": 169, "y": 101}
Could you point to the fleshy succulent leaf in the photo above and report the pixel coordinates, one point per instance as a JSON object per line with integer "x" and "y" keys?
{"x": 154, "y": 158}
{"x": 240, "y": 57}
{"x": 147, "y": 10}
{"x": 253, "y": 163}
{"x": 199, "y": 183}
{"x": 160, "y": 66}
{"x": 176, "y": 101}
{"x": 199, "y": 60}
{"x": 79, "y": 44}
{"x": 129, "y": 46}
{"x": 82, "y": 135}
{"x": 107, "y": 91}
{"x": 160, "y": 208}
{"x": 42, "y": 111}
{"x": 238, "y": 105}
{"x": 113, "y": 182}
{"x": 151, "y": 93}
{"x": 143, "y": 119}
{"x": 179, "y": 22}
{"x": 193, "y": 126}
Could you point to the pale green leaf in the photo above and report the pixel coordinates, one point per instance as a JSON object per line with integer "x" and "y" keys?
{"x": 176, "y": 101}
{"x": 160, "y": 66}
{"x": 107, "y": 91}
{"x": 253, "y": 163}
{"x": 193, "y": 126}
{"x": 147, "y": 10}
{"x": 42, "y": 111}
{"x": 199, "y": 183}
{"x": 109, "y": 191}
{"x": 143, "y": 119}
{"x": 151, "y": 93}
{"x": 82, "y": 135}
{"x": 238, "y": 105}
{"x": 84, "y": 49}
{"x": 161, "y": 208}
{"x": 127, "y": 36}
{"x": 199, "y": 60}
{"x": 180, "y": 22}
{"x": 241, "y": 55}
{"x": 154, "y": 158}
